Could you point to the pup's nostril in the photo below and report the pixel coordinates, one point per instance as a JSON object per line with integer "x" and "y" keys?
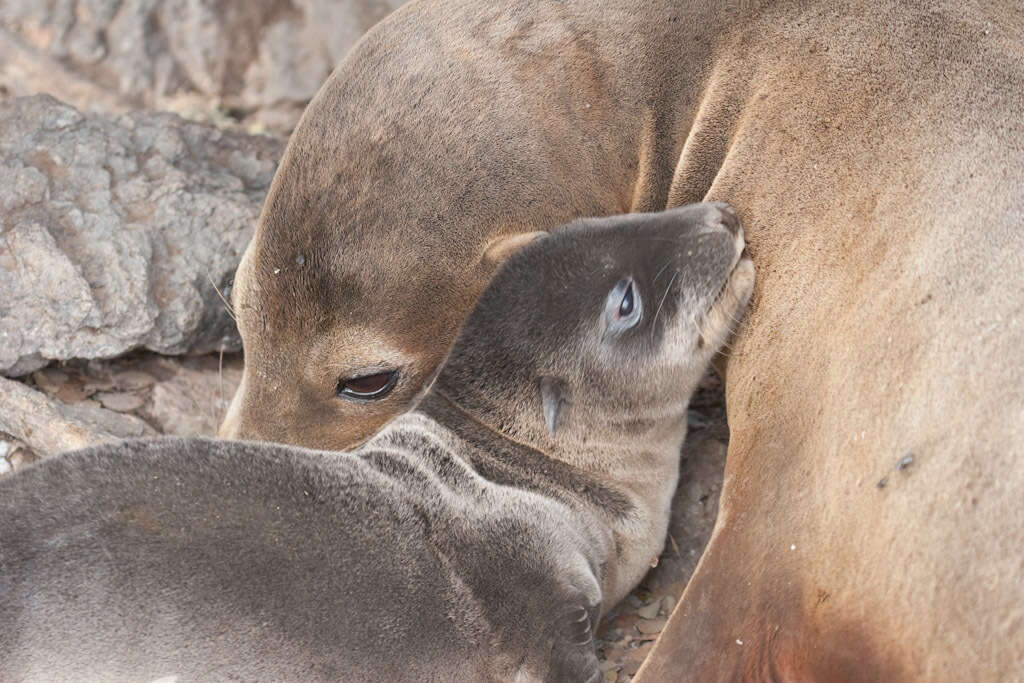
{"x": 721, "y": 215}
{"x": 730, "y": 220}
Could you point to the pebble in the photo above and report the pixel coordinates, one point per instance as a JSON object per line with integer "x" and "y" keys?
{"x": 131, "y": 380}
{"x": 651, "y": 626}
{"x": 120, "y": 401}
{"x": 649, "y": 611}
{"x": 72, "y": 393}
{"x": 611, "y": 676}
{"x": 50, "y": 380}
{"x": 668, "y": 603}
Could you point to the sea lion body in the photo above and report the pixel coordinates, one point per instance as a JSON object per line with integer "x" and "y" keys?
{"x": 478, "y": 537}
{"x": 197, "y": 559}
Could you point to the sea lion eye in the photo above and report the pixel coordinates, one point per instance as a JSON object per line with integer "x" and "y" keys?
{"x": 368, "y": 387}
{"x": 623, "y": 308}
{"x": 626, "y": 306}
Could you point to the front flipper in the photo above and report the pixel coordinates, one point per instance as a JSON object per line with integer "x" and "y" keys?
{"x": 574, "y": 657}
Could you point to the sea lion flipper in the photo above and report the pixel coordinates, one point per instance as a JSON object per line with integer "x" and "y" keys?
{"x": 575, "y": 657}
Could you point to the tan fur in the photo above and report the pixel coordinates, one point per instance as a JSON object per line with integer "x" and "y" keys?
{"x": 875, "y": 152}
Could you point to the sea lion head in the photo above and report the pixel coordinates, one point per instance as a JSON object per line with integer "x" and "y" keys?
{"x": 394, "y": 203}
{"x": 602, "y": 329}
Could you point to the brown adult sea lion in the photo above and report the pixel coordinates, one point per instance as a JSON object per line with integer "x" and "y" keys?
{"x": 875, "y": 151}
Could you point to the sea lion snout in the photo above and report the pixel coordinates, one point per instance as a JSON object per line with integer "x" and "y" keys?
{"x": 721, "y": 215}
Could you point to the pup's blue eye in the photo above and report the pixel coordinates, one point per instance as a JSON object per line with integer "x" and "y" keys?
{"x": 626, "y": 306}
{"x": 623, "y": 308}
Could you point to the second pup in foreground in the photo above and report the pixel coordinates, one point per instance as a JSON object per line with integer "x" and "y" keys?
{"x": 478, "y": 537}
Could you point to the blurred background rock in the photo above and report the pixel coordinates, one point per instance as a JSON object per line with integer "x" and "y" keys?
{"x": 252, "y": 63}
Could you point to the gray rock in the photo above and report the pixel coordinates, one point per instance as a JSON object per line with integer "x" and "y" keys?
{"x": 649, "y": 611}
{"x": 262, "y": 56}
{"x": 48, "y": 426}
{"x": 120, "y": 401}
{"x": 651, "y": 626}
{"x": 192, "y": 396}
{"x": 113, "y": 231}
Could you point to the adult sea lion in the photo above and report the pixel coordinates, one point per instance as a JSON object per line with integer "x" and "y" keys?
{"x": 478, "y": 537}
{"x": 874, "y": 151}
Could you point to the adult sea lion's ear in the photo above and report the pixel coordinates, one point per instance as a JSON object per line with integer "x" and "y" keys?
{"x": 502, "y": 247}
{"x": 551, "y": 402}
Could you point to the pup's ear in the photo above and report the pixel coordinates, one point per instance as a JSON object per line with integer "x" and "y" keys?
{"x": 551, "y": 402}
{"x": 501, "y": 248}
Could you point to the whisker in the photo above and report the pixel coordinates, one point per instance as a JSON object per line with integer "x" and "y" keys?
{"x": 220, "y": 377}
{"x": 662, "y": 302}
{"x": 227, "y": 304}
{"x": 662, "y": 270}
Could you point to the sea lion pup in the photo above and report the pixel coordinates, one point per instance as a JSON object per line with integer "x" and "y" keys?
{"x": 478, "y": 537}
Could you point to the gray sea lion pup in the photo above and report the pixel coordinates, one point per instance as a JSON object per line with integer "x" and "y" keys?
{"x": 478, "y": 537}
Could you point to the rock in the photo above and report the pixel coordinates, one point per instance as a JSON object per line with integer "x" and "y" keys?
{"x": 649, "y": 611}
{"x": 267, "y": 57}
{"x": 193, "y": 393}
{"x": 48, "y": 426}
{"x": 651, "y": 626}
{"x": 50, "y": 380}
{"x": 116, "y": 231}
{"x": 121, "y": 401}
{"x": 133, "y": 380}
{"x": 668, "y": 603}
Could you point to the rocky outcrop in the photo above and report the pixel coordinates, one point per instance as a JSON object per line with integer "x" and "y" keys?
{"x": 116, "y": 233}
{"x": 256, "y": 59}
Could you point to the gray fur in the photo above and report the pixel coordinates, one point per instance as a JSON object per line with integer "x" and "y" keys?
{"x": 463, "y": 542}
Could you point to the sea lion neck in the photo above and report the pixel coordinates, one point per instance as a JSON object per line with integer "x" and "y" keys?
{"x": 503, "y": 460}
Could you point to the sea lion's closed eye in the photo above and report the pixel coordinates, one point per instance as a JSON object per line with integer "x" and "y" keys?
{"x": 368, "y": 387}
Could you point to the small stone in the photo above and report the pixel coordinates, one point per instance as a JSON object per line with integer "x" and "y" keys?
{"x": 634, "y": 601}
{"x": 120, "y": 401}
{"x": 668, "y": 603}
{"x": 651, "y": 626}
{"x": 72, "y": 393}
{"x": 95, "y": 384}
{"x": 611, "y": 676}
{"x": 649, "y": 611}
{"x": 50, "y": 380}
{"x": 133, "y": 380}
